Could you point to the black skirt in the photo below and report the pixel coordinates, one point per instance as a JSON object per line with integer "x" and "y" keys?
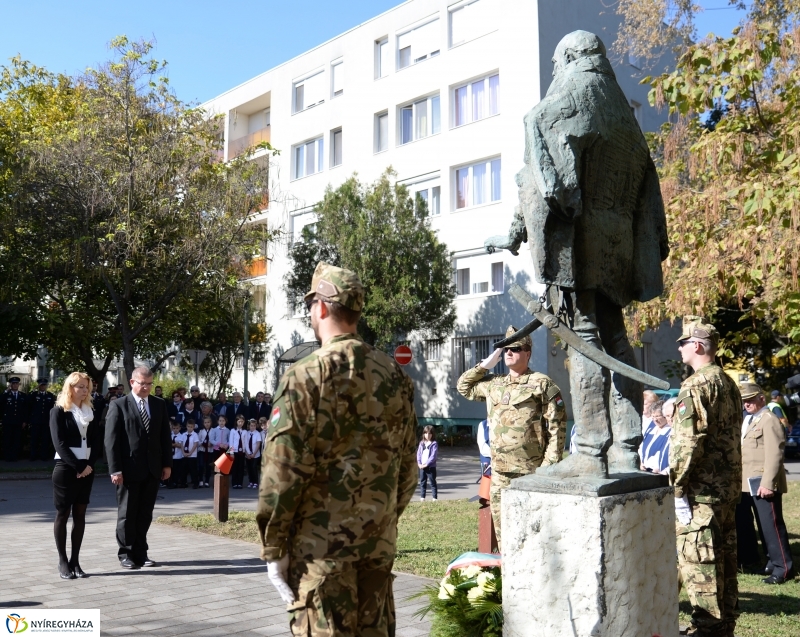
{"x": 68, "y": 489}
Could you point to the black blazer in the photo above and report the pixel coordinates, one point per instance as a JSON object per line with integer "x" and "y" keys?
{"x": 65, "y": 434}
{"x": 129, "y": 448}
{"x": 233, "y": 411}
{"x": 258, "y": 411}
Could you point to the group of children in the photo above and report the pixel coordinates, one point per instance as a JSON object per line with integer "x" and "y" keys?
{"x": 195, "y": 452}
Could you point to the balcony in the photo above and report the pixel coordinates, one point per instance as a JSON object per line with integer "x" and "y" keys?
{"x": 258, "y": 267}
{"x": 237, "y": 146}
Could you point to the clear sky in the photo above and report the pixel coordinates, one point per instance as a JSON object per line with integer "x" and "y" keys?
{"x": 210, "y": 46}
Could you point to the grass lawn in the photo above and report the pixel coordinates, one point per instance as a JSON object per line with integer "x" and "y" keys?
{"x": 431, "y": 534}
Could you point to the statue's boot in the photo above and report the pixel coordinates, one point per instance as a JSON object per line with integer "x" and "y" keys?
{"x": 621, "y": 460}
{"x": 576, "y": 466}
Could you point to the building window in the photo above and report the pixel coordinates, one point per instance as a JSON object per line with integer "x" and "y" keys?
{"x": 477, "y": 184}
{"x": 420, "y": 119}
{"x": 469, "y": 20}
{"x": 430, "y": 197}
{"x": 336, "y": 148}
{"x": 239, "y": 364}
{"x": 381, "y": 132}
{"x": 481, "y": 274}
{"x": 636, "y": 110}
{"x": 309, "y": 92}
{"x": 432, "y": 349}
{"x": 308, "y": 158}
{"x": 470, "y": 350}
{"x": 382, "y": 58}
{"x": 497, "y": 277}
{"x": 418, "y": 44}
{"x": 337, "y": 78}
{"x": 476, "y": 100}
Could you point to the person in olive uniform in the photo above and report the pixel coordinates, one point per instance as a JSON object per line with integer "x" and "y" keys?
{"x": 705, "y": 466}
{"x": 40, "y": 402}
{"x": 517, "y": 403}
{"x": 14, "y": 406}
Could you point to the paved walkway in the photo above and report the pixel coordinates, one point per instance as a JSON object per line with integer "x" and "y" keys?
{"x": 205, "y": 585}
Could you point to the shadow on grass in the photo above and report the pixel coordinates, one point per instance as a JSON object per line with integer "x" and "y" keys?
{"x": 755, "y": 604}
{"x": 409, "y": 551}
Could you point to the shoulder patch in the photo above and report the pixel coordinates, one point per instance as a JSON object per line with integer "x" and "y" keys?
{"x": 559, "y": 400}
{"x": 276, "y": 416}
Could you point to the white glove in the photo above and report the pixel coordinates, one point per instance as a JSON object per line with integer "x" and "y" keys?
{"x": 683, "y": 510}
{"x": 276, "y": 571}
{"x": 488, "y": 363}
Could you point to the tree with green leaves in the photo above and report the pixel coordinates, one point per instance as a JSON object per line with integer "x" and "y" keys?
{"x": 731, "y": 184}
{"x": 377, "y": 231}
{"x": 114, "y": 206}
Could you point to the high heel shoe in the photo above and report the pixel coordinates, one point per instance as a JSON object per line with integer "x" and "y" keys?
{"x": 78, "y": 571}
{"x": 65, "y": 572}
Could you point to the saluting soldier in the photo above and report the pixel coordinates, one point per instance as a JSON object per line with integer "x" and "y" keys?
{"x": 705, "y": 463}
{"x": 338, "y": 469}
{"x": 527, "y": 419}
{"x": 40, "y": 403}
{"x": 15, "y": 417}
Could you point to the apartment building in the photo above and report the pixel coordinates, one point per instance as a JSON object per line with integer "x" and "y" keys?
{"x": 436, "y": 89}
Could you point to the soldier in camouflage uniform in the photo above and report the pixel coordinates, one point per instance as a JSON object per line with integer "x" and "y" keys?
{"x": 705, "y": 461}
{"x": 518, "y": 403}
{"x": 338, "y": 469}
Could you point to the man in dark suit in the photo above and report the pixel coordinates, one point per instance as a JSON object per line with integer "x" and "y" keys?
{"x": 237, "y": 407}
{"x": 14, "y": 413}
{"x": 259, "y": 408}
{"x": 139, "y": 451}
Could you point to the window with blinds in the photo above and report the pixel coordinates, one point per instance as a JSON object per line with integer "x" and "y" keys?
{"x": 468, "y": 351}
{"x": 418, "y": 44}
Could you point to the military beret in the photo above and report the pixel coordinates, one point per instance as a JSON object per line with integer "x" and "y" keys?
{"x": 43, "y": 381}
{"x": 750, "y": 390}
{"x": 337, "y": 284}
{"x": 13, "y": 379}
{"x": 525, "y": 341}
{"x": 696, "y": 327}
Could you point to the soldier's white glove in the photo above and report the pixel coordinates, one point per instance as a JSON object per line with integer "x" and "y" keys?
{"x": 491, "y": 361}
{"x": 683, "y": 511}
{"x": 276, "y": 571}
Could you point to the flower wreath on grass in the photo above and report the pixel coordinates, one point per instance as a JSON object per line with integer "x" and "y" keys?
{"x": 468, "y": 602}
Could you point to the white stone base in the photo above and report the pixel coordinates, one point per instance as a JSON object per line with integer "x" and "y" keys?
{"x": 587, "y": 566}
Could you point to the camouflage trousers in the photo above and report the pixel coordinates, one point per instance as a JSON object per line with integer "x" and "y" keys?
{"x": 342, "y": 599}
{"x": 707, "y": 567}
{"x": 499, "y": 482}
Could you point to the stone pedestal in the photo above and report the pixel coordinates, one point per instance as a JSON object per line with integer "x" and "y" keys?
{"x": 584, "y": 558}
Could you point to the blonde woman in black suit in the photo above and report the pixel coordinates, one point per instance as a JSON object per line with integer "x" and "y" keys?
{"x": 77, "y": 438}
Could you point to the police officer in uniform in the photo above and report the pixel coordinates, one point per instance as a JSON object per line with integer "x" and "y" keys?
{"x": 705, "y": 464}
{"x": 40, "y": 403}
{"x": 15, "y": 417}
{"x": 338, "y": 469}
{"x": 527, "y": 419}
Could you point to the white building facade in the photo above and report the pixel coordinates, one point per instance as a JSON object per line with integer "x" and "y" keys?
{"x": 437, "y": 90}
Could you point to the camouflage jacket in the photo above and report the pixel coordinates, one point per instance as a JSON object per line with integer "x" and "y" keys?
{"x": 339, "y": 462}
{"x": 705, "y": 454}
{"x": 516, "y": 408}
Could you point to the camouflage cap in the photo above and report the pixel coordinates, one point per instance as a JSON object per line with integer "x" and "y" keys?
{"x": 696, "y": 327}
{"x": 750, "y": 390}
{"x": 525, "y": 341}
{"x": 337, "y": 284}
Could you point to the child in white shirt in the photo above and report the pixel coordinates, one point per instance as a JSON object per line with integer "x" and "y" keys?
{"x": 177, "y": 455}
{"x": 252, "y": 454}
{"x": 236, "y": 450}
{"x": 205, "y": 452}
{"x": 189, "y": 450}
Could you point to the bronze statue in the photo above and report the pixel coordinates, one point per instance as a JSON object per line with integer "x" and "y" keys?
{"x": 590, "y": 204}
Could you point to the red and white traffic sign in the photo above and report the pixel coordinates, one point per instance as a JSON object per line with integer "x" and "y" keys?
{"x": 403, "y": 354}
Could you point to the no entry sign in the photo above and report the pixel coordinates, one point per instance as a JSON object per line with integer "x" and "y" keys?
{"x": 403, "y": 354}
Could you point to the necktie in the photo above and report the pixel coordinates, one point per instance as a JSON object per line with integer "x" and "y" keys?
{"x": 186, "y": 444}
{"x": 250, "y": 443}
{"x": 240, "y": 441}
{"x": 145, "y": 417}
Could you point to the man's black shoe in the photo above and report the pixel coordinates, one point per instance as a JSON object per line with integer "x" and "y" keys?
{"x": 148, "y": 562}
{"x": 128, "y": 563}
{"x": 772, "y": 579}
